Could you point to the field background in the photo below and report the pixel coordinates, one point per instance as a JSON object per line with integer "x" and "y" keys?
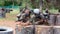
{"x": 10, "y": 20}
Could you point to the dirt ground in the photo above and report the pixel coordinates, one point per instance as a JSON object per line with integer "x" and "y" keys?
{"x": 8, "y": 24}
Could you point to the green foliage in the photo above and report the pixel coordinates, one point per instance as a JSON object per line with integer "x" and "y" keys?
{"x": 31, "y": 3}
{"x": 1, "y": 3}
{"x": 8, "y": 3}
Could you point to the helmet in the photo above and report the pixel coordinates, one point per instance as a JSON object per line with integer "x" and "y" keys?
{"x": 36, "y": 11}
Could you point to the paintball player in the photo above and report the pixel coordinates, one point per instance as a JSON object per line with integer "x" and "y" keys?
{"x": 3, "y": 12}
{"x": 19, "y": 15}
{"x": 37, "y": 17}
{"x": 24, "y": 19}
{"x": 46, "y": 14}
{"x": 21, "y": 12}
{"x": 25, "y": 16}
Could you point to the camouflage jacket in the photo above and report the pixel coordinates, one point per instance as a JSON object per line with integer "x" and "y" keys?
{"x": 24, "y": 18}
{"x": 36, "y": 19}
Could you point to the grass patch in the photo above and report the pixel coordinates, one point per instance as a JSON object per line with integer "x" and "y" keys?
{"x": 11, "y": 15}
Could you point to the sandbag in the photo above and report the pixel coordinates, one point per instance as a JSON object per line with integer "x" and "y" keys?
{"x": 6, "y": 30}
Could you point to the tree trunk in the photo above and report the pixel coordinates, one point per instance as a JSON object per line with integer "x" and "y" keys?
{"x": 41, "y": 5}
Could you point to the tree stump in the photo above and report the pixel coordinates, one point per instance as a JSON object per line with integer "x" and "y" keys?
{"x": 51, "y": 20}
{"x": 26, "y": 30}
{"x": 56, "y": 29}
{"x": 43, "y": 29}
{"x": 58, "y": 20}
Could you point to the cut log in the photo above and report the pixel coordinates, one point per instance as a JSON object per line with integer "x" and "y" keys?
{"x": 56, "y": 29}
{"x": 43, "y": 29}
{"x": 58, "y": 20}
{"x": 51, "y": 20}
